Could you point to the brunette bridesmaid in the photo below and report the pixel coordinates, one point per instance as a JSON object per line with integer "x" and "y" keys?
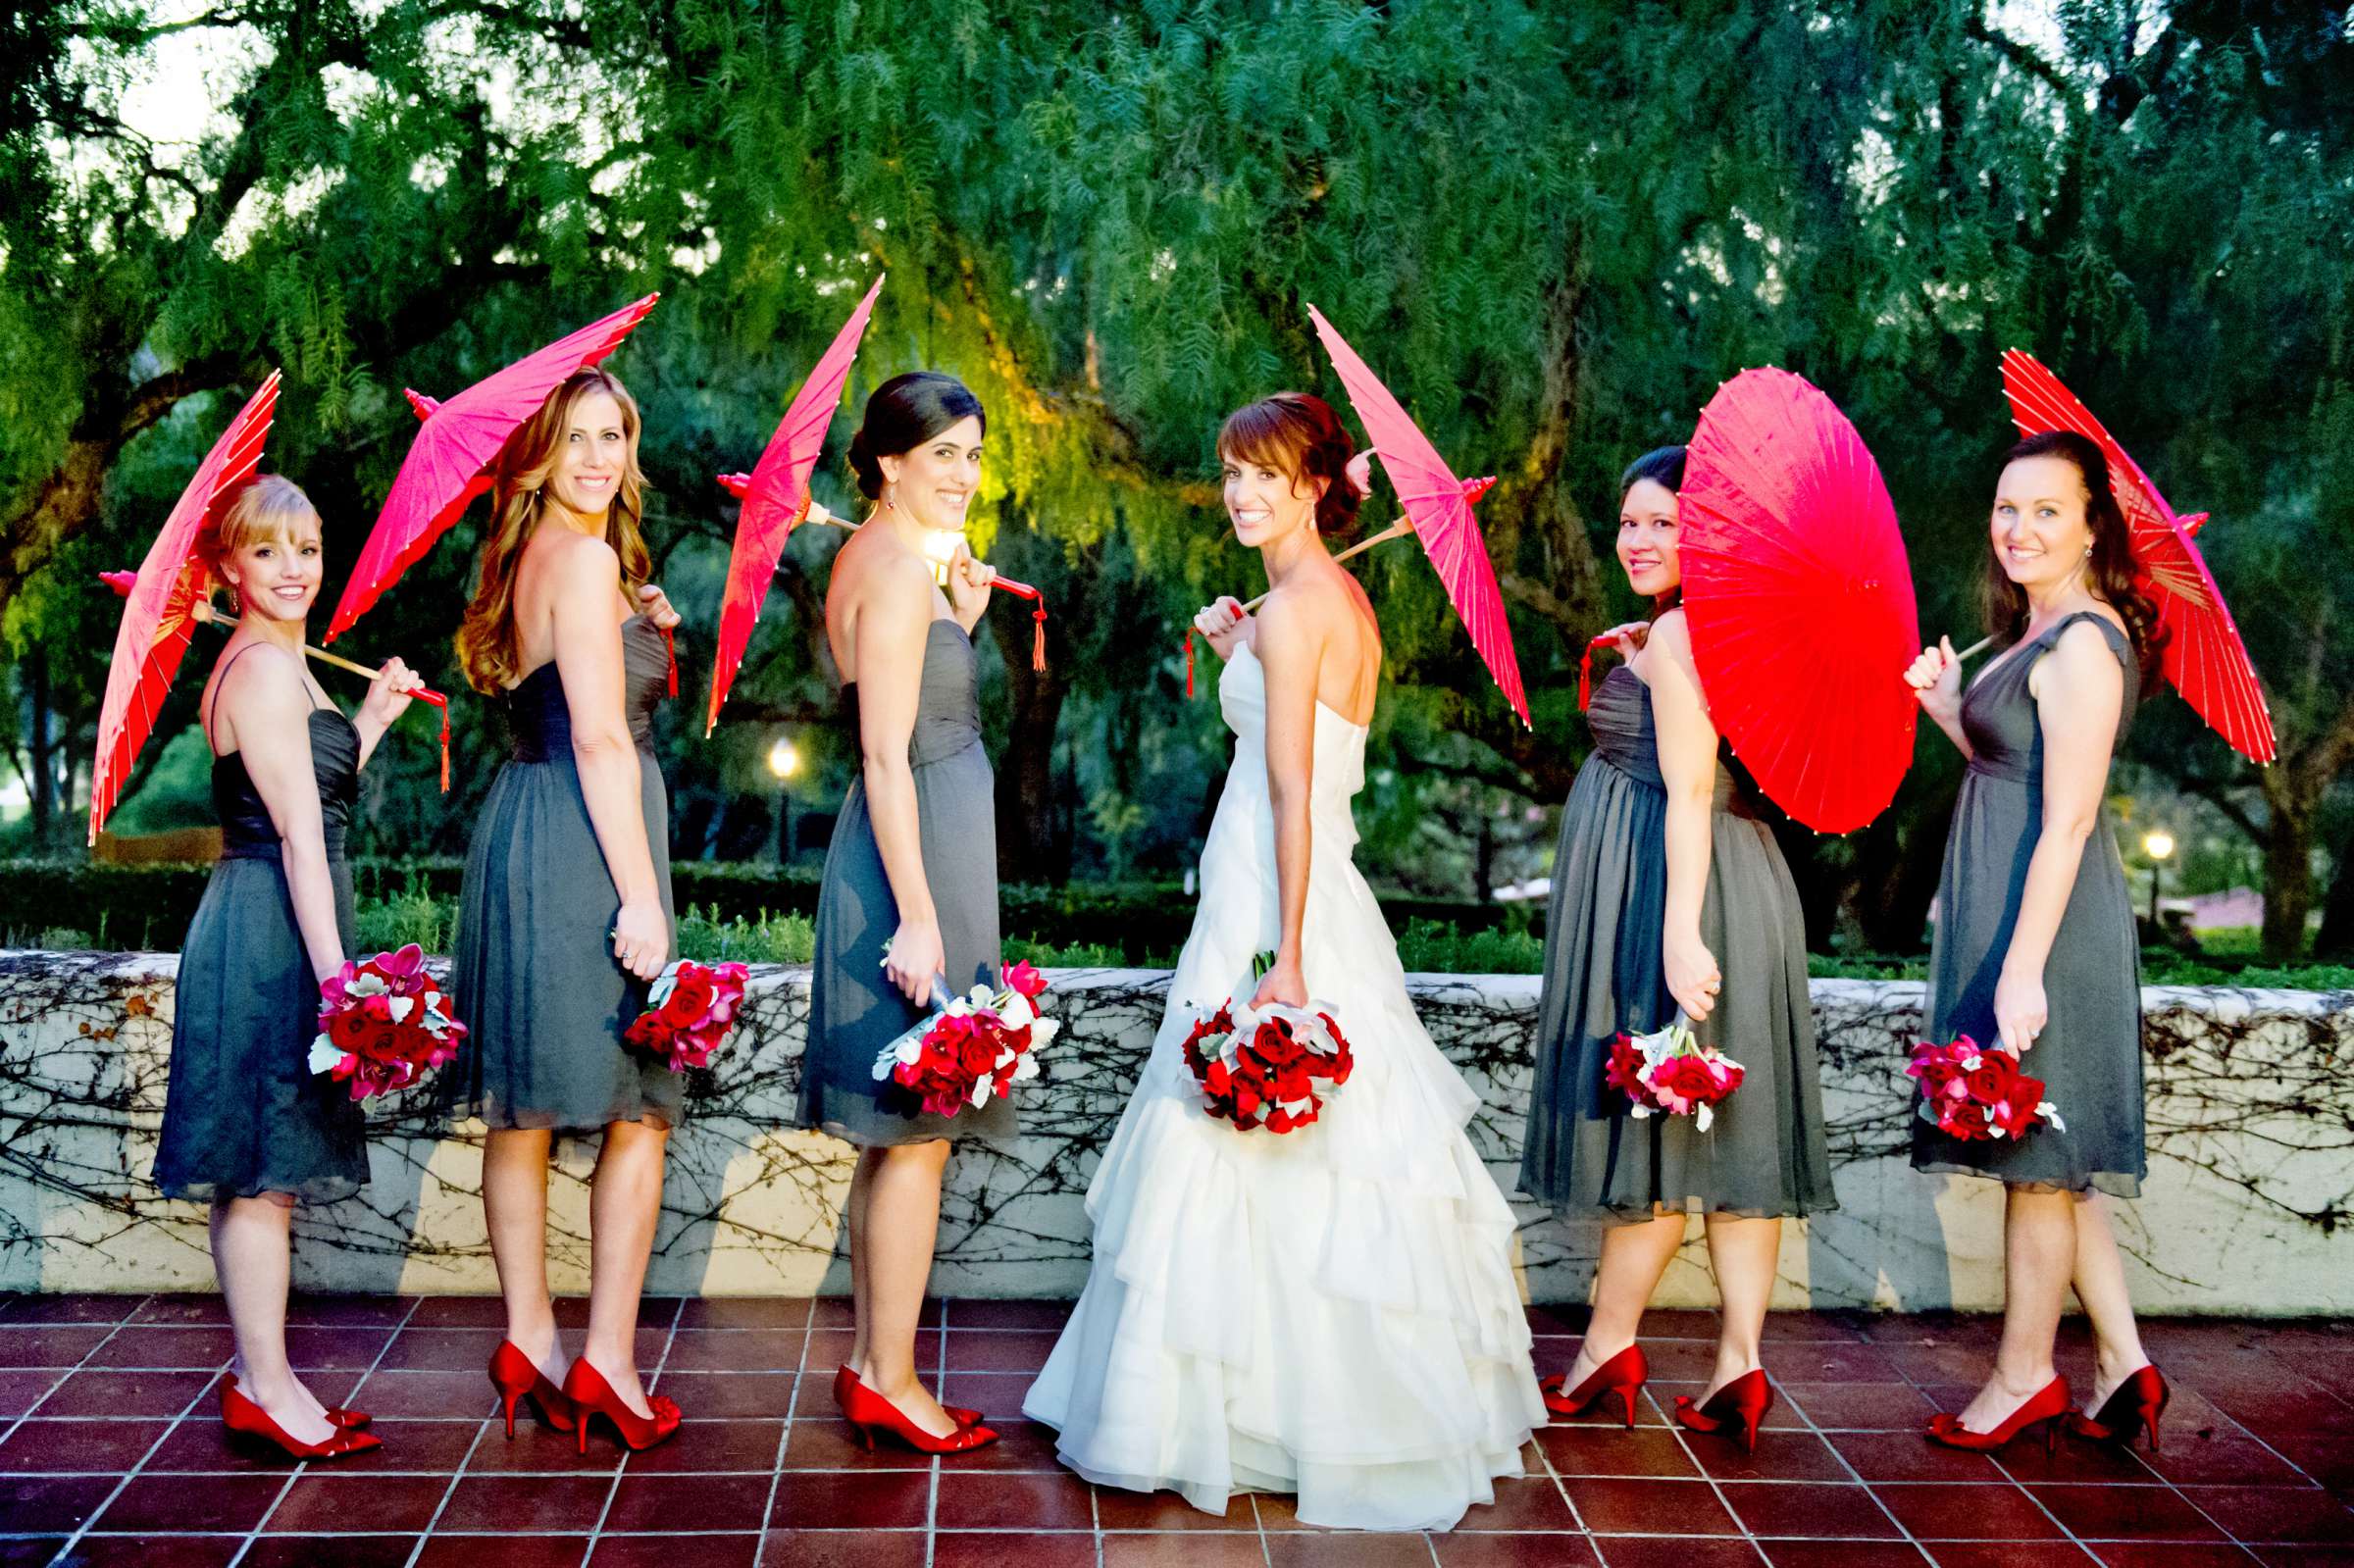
{"x": 912, "y": 878}
{"x": 248, "y": 1127}
{"x": 1671, "y": 895}
{"x": 566, "y": 911}
{"x": 2036, "y": 952}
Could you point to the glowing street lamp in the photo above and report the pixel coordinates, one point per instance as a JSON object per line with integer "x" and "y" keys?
{"x": 2158, "y": 844}
{"x": 784, "y": 761}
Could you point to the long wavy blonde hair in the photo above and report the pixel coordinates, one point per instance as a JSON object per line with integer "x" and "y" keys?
{"x": 488, "y": 645}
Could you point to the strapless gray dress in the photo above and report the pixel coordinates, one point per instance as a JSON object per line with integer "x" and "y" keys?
{"x": 1584, "y": 1154}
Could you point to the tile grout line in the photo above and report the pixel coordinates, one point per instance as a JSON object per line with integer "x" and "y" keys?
{"x": 1559, "y": 1485}
{"x": 670, "y": 1337}
{"x": 792, "y": 1413}
{"x": 99, "y": 1512}
{"x": 1903, "y": 1529}
{"x": 302, "y": 1467}
{"x": 456, "y": 1474}
{"x": 1683, "y": 1439}
{"x": 940, "y": 1380}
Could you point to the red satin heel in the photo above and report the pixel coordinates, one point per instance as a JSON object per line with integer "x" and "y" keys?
{"x": 247, "y": 1419}
{"x": 1622, "y": 1375}
{"x": 336, "y": 1415}
{"x": 1734, "y": 1409}
{"x": 845, "y": 1376}
{"x": 591, "y": 1395}
{"x": 2048, "y": 1405}
{"x": 869, "y": 1413}
{"x": 517, "y": 1378}
{"x": 2132, "y": 1407}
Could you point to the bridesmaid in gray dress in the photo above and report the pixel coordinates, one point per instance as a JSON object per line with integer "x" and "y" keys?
{"x": 566, "y": 911}
{"x": 2036, "y": 949}
{"x": 909, "y": 899}
{"x": 248, "y": 1127}
{"x": 1671, "y": 895}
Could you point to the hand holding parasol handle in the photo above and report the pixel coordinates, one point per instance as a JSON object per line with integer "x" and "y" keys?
{"x": 202, "y": 610}
{"x": 1975, "y": 648}
{"x": 1396, "y": 531}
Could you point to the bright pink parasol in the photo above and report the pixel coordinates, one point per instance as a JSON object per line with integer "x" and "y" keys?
{"x": 449, "y": 462}
{"x": 1799, "y": 597}
{"x": 1439, "y": 505}
{"x": 159, "y": 610}
{"x": 776, "y": 498}
{"x": 2204, "y": 657}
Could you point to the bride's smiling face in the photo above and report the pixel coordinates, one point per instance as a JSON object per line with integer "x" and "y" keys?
{"x": 1264, "y": 503}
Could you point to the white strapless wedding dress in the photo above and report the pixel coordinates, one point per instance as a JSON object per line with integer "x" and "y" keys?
{"x": 1331, "y": 1311}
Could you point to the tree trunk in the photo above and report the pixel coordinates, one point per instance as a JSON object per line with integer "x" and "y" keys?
{"x": 1028, "y": 845}
{"x": 2336, "y": 943}
{"x": 2287, "y": 882}
{"x": 44, "y": 778}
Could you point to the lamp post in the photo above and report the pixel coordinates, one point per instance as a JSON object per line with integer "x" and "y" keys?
{"x": 2158, "y": 844}
{"x": 784, "y": 760}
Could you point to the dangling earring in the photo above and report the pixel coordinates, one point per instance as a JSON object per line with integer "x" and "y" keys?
{"x": 889, "y": 503}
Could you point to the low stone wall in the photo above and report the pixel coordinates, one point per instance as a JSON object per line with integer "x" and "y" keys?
{"x": 2246, "y": 1211}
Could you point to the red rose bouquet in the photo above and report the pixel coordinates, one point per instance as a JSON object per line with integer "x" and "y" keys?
{"x": 689, "y": 1012}
{"x": 1672, "y": 1072}
{"x": 975, "y": 1048}
{"x": 1261, "y": 1067}
{"x": 382, "y": 1024}
{"x": 1975, "y": 1093}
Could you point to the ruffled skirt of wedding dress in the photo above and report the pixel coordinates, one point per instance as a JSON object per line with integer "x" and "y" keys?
{"x": 1330, "y": 1312}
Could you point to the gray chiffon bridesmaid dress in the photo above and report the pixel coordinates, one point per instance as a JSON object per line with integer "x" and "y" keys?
{"x": 542, "y": 998}
{"x": 243, "y": 1113}
{"x": 854, "y": 1011}
{"x": 2089, "y": 1053}
{"x": 1584, "y": 1154}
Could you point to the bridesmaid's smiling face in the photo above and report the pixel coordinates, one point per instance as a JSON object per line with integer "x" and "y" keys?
{"x": 277, "y": 574}
{"x": 2039, "y": 531}
{"x": 1647, "y": 540}
{"x": 592, "y": 456}
{"x": 934, "y": 481}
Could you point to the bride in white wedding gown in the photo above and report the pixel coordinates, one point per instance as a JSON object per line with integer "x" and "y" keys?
{"x": 1329, "y": 1311}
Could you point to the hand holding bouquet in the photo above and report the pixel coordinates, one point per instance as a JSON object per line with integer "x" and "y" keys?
{"x": 382, "y": 1024}
{"x": 1671, "y": 1072}
{"x": 689, "y": 1012}
{"x": 975, "y": 1048}
{"x": 1978, "y": 1093}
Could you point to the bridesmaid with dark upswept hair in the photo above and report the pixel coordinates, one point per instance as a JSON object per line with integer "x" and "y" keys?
{"x": 909, "y": 899}
{"x": 1669, "y": 895}
{"x": 2037, "y": 951}
{"x": 566, "y": 909}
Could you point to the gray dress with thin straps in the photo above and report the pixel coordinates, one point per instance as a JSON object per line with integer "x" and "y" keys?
{"x": 244, "y": 1114}
{"x": 853, "y": 1010}
{"x": 542, "y": 998}
{"x": 2089, "y": 1053}
{"x": 1764, "y": 1155}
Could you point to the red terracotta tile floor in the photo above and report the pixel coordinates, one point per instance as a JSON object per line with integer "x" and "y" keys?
{"x": 111, "y": 1453}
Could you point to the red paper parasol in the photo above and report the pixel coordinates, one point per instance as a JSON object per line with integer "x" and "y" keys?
{"x": 776, "y": 497}
{"x": 2204, "y": 657}
{"x": 1800, "y": 599}
{"x": 444, "y": 470}
{"x": 159, "y": 612}
{"x": 1439, "y": 505}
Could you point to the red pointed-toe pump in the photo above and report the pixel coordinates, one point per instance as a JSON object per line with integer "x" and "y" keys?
{"x": 869, "y": 1413}
{"x": 1622, "y": 1375}
{"x": 845, "y": 1376}
{"x": 517, "y": 1378}
{"x": 2047, "y": 1405}
{"x": 591, "y": 1395}
{"x": 336, "y": 1415}
{"x": 247, "y": 1419}
{"x": 2132, "y": 1407}
{"x": 1734, "y": 1409}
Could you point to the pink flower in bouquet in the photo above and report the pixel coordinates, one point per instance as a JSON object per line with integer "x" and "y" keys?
{"x": 1023, "y": 980}
{"x": 1977, "y": 1093}
{"x": 690, "y": 1011}
{"x": 382, "y": 1024}
{"x": 973, "y": 1050}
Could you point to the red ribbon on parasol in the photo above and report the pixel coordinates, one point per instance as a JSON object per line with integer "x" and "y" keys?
{"x": 446, "y": 466}
{"x": 775, "y": 499}
{"x": 1437, "y": 507}
{"x": 1799, "y": 597}
{"x": 159, "y": 611}
{"x": 2204, "y": 657}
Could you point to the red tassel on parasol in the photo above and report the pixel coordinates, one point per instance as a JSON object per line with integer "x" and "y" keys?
{"x": 1800, "y": 599}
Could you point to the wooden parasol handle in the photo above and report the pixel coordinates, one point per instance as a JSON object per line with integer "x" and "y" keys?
{"x": 1396, "y": 531}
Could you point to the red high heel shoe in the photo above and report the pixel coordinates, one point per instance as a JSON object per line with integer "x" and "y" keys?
{"x": 336, "y": 1415}
{"x": 1622, "y": 1375}
{"x": 592, "y": 1395}
{"x": 2132, "y": 1406}
{"x": 845, "y": 1376}
{"x": 517, "y": 1378}
{"x": 1734, "y": 1409}
{"x": 2047, "y": 1405}
{"x": 247, "y": 1419}
{"x": 869, "y": 1412}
